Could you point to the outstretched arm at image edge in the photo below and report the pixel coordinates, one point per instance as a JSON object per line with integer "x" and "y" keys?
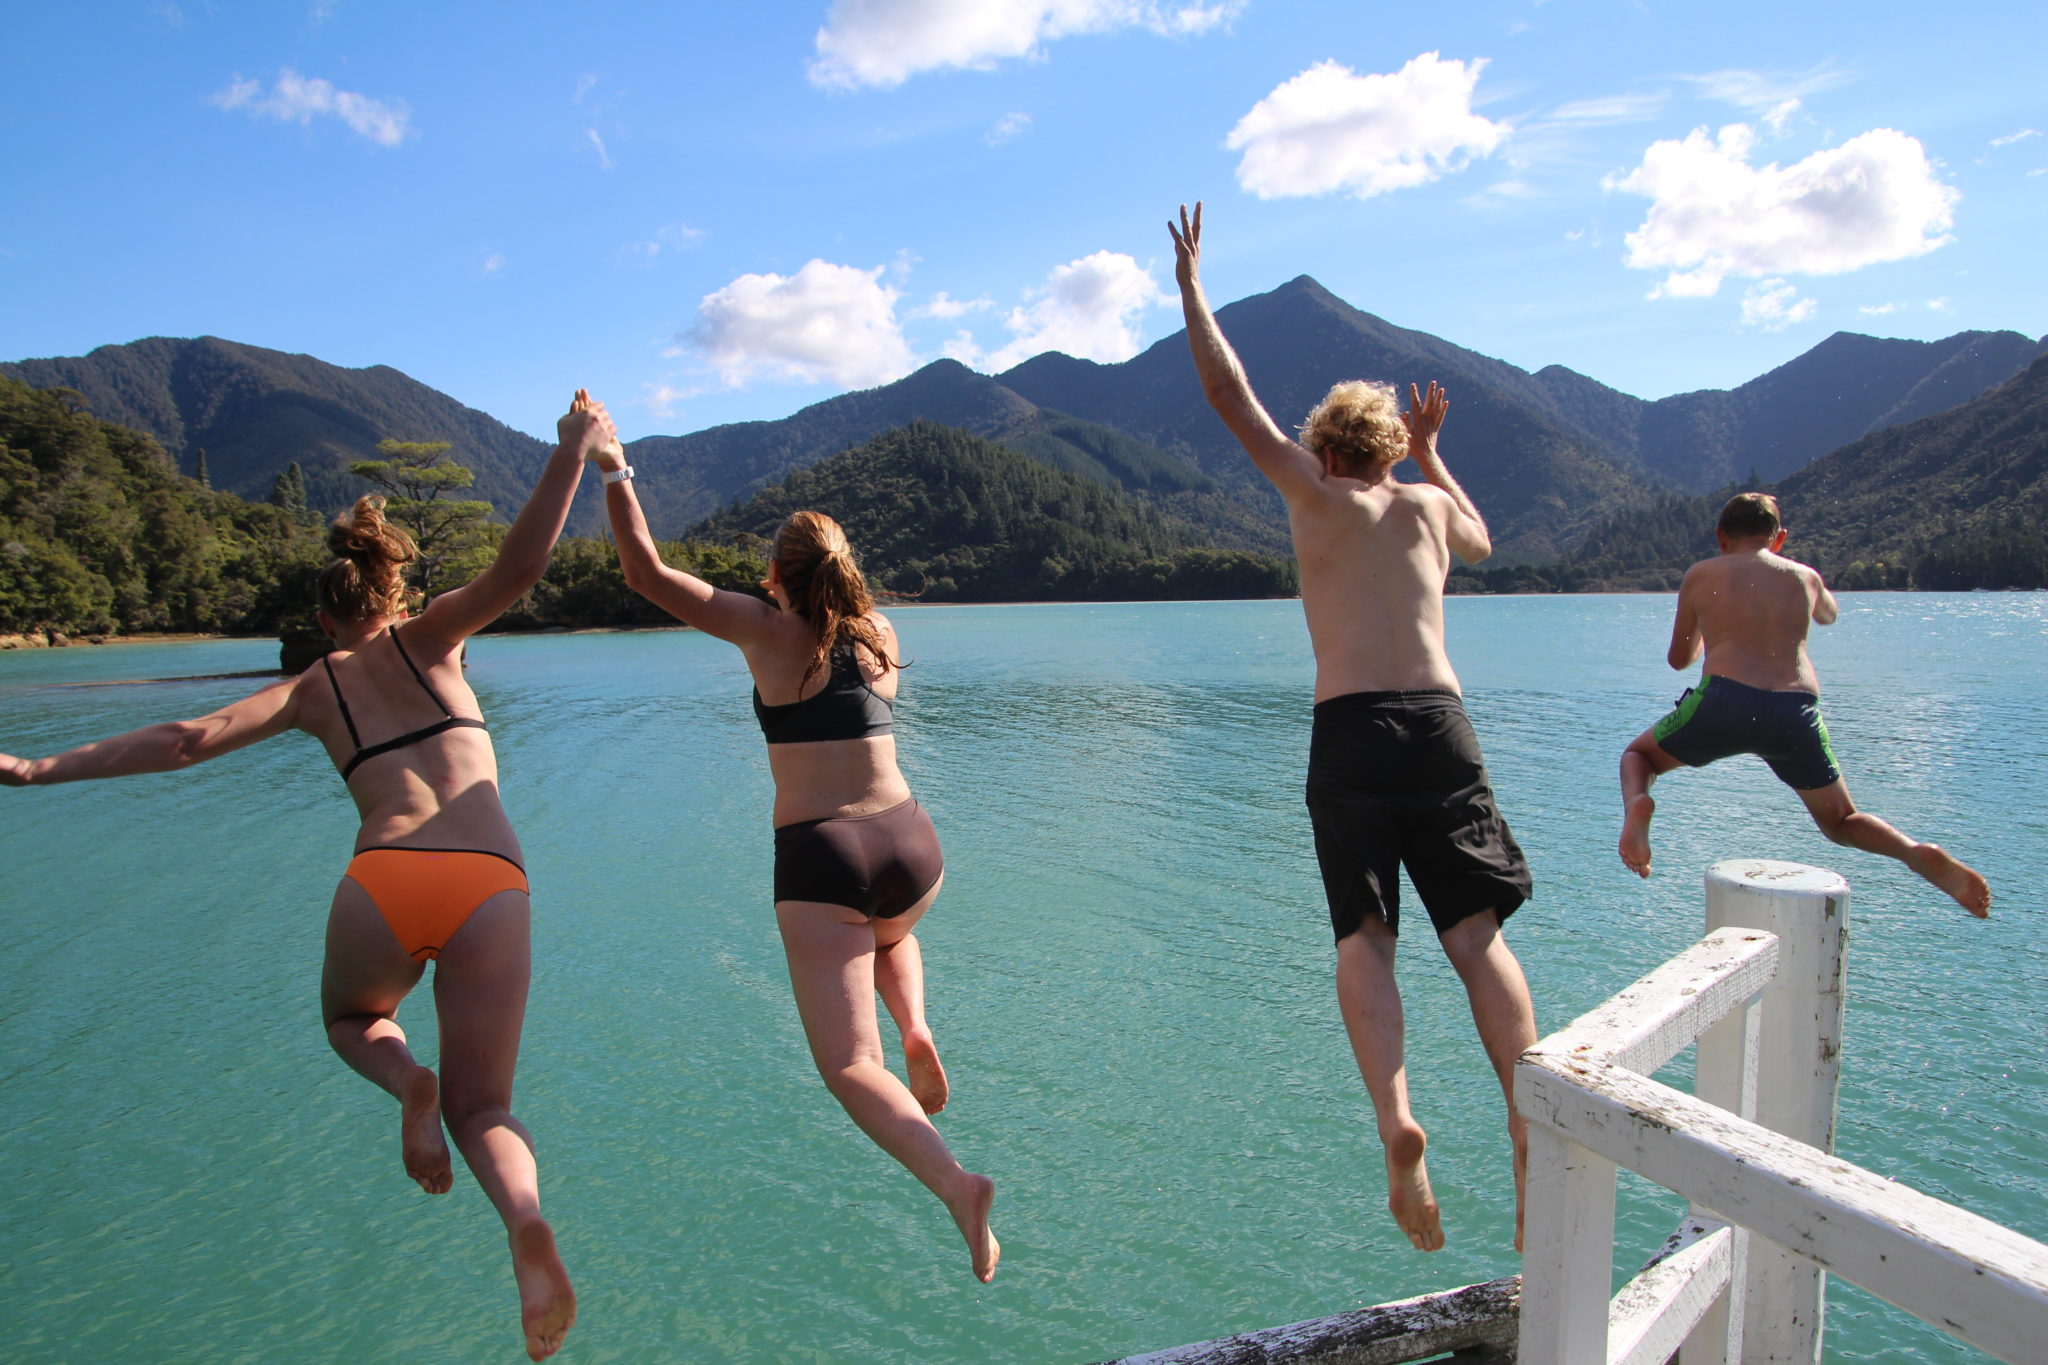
{"x": 164, "y": 748}
{"x": 1290, "y": 468}
{"x": 523, "y": 555}
{"x": 732, "y": 616}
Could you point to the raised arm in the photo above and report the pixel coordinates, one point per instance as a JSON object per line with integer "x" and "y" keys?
{"x": 1466, "y": 530}
{"x": 523, "y": 555}
{"x": 1825, "y": 608}
{"x": 1685, "y": 627}
{"x": 733, "y": 616}
{"x": 166, "y": 747}
{"x": 1290, "y": 468}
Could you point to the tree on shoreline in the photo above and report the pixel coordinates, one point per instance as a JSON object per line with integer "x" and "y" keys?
{"x": 414, "y": 475}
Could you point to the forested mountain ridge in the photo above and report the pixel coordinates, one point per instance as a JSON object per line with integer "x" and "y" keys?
{"x": 1954, "y": 500}
{"x": 940, "y": 513}
{"x": 254, "y": 411}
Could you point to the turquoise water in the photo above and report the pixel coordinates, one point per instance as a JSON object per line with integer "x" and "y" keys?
{"x": 1129, "y": 974}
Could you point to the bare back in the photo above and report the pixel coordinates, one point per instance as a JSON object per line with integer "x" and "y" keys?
{"x": 1752, "y": 609}
{"x": 1373, "y": 560}
{"x": 834, "y": 777}
{"x": 441, "y": 792}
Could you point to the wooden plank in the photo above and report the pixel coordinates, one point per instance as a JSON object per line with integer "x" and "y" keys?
{"x": 1657, "y": 1310}
{"x": 1477, "y": 1317}
{"x": 1647, "y": 1024}
{"x": 1967, "y": 1275}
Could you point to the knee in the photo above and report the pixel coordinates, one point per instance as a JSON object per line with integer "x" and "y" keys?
{"x": 1469, "y": 942}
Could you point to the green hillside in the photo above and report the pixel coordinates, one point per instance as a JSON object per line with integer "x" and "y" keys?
{"x": 936, "y": 511}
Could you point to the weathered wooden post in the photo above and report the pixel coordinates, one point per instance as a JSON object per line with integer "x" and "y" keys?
{"x": 1778, "y": 1062}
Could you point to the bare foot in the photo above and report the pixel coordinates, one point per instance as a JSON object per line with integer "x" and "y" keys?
{"x": 420, "y": 1139}
{"x": 1959, "y": 880}
{"x": 547, "y": 1305}
{"x": 927, "y": 1077}
{"x": 1408, "y": 1195}
{"x": 971, "y": 1213}
{"x": 1635, "y": 834}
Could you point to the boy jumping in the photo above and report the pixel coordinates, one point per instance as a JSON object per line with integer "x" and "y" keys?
{"x": 1758, "y": 695}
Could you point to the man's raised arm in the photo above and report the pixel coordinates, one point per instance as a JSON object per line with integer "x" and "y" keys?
{"x": 1466, "y": 532}
{"x": 1224, "y": 384}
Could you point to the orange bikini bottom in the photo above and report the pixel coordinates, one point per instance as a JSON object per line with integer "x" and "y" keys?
{"x": 426, "y": 894}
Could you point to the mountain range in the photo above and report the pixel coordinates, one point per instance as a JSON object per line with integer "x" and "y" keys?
{"x": 1548, "y": 456}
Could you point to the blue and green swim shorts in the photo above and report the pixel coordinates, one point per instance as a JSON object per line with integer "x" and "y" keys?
{"x": 1720, "y": 717}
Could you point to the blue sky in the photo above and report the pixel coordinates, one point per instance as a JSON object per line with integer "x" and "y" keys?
{"x": 714, "y": 213}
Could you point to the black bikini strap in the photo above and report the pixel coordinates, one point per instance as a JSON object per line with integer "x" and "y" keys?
{"x": 342, "y": 702}
{"x": 425, "y": 686}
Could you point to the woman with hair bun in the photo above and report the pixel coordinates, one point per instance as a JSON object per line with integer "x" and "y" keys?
{"x": 437, "y": 871}
{"x": 856, "y": 859}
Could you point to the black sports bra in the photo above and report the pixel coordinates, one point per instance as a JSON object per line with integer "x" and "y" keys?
{"x": 452, "y": 721}
{"x": 845, "y": 708}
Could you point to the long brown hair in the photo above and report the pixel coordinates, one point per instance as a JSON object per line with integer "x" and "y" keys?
{"x": 825, "y": 587}
{"x": 367, "y": 578}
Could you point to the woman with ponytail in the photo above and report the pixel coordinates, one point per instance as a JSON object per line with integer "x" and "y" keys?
{"x": 437, "y": 870}
{"x": 856, "y": 859}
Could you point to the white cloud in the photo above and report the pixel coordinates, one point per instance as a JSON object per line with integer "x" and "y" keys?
{"x": 1780, "y": 114}
{"x": 1330, "y": 129}
{"x": 1007, "y": 127}
{"x": 2011, "y": 138}
{"x": 1768, "y": 92}
{"x": 1775, "y": 305}
{"x": 1088, "y": 308}
{"x": 1938, "y": 305}
{"x": 1878, "y": 310}
{"x": 585, "y": 83}
{"x": 495, "y": 262}
{"x": 1608, "y": 109}
{"x": 604, "y": 158}
{"x": 885, "y": 42}
{"x": 661, "y": 398}
{"x": 297, "y": 99}
{"x": 1875, "y": 198}
{"x": 827, "y": 322}
{"x": 946, "y": 307}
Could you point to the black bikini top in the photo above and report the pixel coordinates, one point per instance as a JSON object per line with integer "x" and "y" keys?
{"x": 845, "y": 708}
{"x": 451, "y": 721}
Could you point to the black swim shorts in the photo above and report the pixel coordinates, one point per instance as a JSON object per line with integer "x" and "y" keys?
{"x": 1396, "y": 778}
{"x": 1722, "y": 717}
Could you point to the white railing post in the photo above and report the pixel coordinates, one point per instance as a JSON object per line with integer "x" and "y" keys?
{"x": 1568, "y": 1252}
{"x": 1779, "y": 1063}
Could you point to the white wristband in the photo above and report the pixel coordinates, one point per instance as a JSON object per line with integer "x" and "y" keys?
{"x": 616, "y": 475}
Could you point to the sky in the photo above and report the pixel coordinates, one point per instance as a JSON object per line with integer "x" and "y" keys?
{"x": 718, "y": 213}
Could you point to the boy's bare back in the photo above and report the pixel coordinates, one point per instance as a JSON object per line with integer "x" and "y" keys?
{"x": 1751, "y": 606}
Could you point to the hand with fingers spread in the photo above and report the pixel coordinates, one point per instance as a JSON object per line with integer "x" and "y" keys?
{"x": 1424, "y": 418}
{"x": 1187, "y": 246}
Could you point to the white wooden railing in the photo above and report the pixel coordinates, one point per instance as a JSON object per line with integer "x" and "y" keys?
{"x": 1742, "y": 1280}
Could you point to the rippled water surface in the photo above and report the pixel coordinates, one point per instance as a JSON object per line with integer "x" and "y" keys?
{"x": 1129, "y": 975}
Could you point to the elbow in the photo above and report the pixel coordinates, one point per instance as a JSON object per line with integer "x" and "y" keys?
{"x": 187, "y": 746}
{"x": 1479, "y": 553}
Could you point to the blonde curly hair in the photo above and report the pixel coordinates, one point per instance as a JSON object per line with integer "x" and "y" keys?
{"x": 1357, "y": 426}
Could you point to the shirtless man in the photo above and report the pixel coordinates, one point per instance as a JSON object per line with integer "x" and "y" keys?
{"x": 1758, "y": 695}
{"x": 1395, "y": 774}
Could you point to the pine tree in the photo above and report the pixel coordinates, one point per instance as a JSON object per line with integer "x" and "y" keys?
{"x": 199, "y": 470}
{"x": 288, "y": 490}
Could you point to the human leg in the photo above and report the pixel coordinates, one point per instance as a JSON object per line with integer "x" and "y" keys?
{"x": 832, "y": 969}
{"x": 1642, "y": 763}
{"x": 480, "y": 987}
{"x": 1371, "y": 1005}
{"x": 1504, "y": 1014}
{"x": 363, "y": 978}
{"x": 899, "y": 977}
{"x": 1837, "y": 817}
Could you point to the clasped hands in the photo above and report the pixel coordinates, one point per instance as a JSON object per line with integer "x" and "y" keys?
{"x": 589, "y": 427}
